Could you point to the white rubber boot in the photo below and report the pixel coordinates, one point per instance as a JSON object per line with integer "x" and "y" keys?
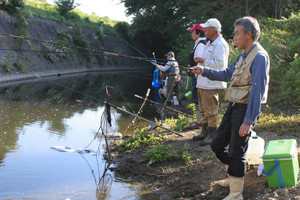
{"x": 225, "y": 182}
{"x": 236, "y": 185}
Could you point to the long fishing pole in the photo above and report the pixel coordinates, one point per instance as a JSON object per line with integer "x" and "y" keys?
{"x": 114, "y": 106}
{"x": 118, "y": 108}
{"x": 83, "y": 48}
{"x": 178, "y": 111}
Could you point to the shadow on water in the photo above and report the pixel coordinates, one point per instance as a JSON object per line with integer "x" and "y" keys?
{"x": 65, "y": 110}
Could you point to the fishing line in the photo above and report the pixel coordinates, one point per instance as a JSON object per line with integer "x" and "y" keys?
{"x": 106, "y": 53}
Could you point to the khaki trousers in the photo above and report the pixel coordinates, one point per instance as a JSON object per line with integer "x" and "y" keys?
{"x": 208, "y": 101}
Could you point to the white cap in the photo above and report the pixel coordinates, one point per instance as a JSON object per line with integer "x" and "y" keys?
{"x": 213, "y": 22}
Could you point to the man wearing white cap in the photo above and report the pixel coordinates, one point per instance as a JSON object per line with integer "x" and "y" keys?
{"x": 215, "y": 56}
{"x": 248, "y": 89}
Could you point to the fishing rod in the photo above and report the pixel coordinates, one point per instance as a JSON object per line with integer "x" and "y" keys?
{"x": 139, "y": 117}
{"x": 114, "y": 106}
{"x": 145, "y": 58}
{"x": 178, "y": 111}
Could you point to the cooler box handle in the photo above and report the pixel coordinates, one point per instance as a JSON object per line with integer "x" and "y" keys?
{"x": 269, "y": 172}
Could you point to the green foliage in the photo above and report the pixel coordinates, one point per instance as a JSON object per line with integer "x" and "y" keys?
{"x": 65, "y": 6}
{"x": 19, "y": 66}
{"x": 281, "y": 124}
{"x": 281, "y": 40}
{"x": 141, "y": 138}
{"x": 5, "y": 63}
{"x": 80, "y": 41}
{"x": 57, "y": 46}
{"x": 186, "y": 156}
{"x": 178, "y": 124}
{"x": 75, "y": 17}
{"x": 161, "y": 25}
{"x": 122, "y": 29}
{"x": 20, "y": 23}
{"x": 161, "y": 153}
{"x": 11, "y": 5}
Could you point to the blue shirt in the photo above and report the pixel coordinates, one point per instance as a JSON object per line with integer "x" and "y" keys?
{"x": 258, "y": 69}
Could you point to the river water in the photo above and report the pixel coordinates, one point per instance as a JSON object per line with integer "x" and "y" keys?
{"x": 66, "y": 111}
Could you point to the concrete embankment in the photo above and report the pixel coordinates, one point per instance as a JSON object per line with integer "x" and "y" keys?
{"x": 24, "y": 59}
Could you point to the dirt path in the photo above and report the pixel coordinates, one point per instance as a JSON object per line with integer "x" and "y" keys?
{"x": 176, "y": 180}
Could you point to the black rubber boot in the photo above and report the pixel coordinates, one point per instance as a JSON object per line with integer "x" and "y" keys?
{"x": 210, "y": 134}
{"x": 203, "y": 133}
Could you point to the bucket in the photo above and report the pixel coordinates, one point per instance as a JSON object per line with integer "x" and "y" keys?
{"x": 256, "y": 149}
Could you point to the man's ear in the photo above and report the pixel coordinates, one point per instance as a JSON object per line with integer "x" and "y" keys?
{"x": 249, "y": 35}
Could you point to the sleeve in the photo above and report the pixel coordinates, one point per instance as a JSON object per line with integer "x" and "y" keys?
{"x": 259, "y": 83}
{"x": 219, "y": 56}
{"x": 199, "y": 50}
{"x": 166, "y": 67}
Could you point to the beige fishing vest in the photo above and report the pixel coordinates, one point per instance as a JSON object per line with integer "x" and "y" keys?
{"x": 240, "y": 85}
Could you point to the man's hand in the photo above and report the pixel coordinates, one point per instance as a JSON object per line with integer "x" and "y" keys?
{"x": 244, "y": 129}
{"x": 153, "y": 62}
{"x": 199, "y": 60}
{"x": 197, "y": 70}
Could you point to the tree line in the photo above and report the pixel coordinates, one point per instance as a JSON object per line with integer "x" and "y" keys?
{"x": 161, "y": 24}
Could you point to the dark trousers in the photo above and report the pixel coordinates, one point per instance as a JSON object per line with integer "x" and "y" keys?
{"x": 228, "y": 146}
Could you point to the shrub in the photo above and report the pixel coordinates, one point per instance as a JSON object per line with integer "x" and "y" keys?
{"x": 141, "y": 138}
{"x": 161, "y": 153}
{"x": 12, "y": 5}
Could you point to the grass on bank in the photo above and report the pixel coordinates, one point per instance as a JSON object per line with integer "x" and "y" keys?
{"x": 281, "y": 124}
{"x": 76, "y": 17}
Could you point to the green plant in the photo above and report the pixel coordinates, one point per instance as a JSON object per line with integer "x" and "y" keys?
{"x": 141, "y": 138}
{"x": 186, "y": 156}
{"x": 19, "y": 66}
{"x": 161, "y": 153}
{"x": 11, "y": 5}
{"x": 5, "y": 63}
{"x": 281, "y": 124}
{"x": 178, "y": 124}
{"x": 65, "y": 6}
{"x": 80, "y": 41}
{"x": 20, "y": 23}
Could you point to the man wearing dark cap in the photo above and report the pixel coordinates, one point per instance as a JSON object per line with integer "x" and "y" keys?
{"x": 215, "y": 56}
{"x": 197, "y": 32}
{"x": 173, "y": 74}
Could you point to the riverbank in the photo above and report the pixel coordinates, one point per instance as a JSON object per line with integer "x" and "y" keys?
{"x": 175, "y": 179}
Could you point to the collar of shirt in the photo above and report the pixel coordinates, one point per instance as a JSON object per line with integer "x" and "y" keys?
{"x": 216, "y": 40}
{"x": 199, "y": 39}
{"x": 244, "y": 54}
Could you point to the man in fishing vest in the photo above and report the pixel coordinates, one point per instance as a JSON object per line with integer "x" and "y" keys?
{"x": 198, "y": 36}
{"x": 215, "y": 56}
{"x": 248, "y": 89}
{"x": 172, "y": 71}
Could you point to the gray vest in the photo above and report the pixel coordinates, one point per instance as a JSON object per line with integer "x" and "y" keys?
{"x": 174, "y": 69}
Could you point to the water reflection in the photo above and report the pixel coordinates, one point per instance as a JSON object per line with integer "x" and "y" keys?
{"x": 42, "y": 113}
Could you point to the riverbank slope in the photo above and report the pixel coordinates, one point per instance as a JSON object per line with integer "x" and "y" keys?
{"x": 23, "y": 57}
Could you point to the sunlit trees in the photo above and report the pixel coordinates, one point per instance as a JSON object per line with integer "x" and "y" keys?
{"x": 65, "y": 6}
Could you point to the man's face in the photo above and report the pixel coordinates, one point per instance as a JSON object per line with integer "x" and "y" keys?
{"x": 240, "y": 38}
{"x": 195, "y": 36}
{"x": 208, "y": 32}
